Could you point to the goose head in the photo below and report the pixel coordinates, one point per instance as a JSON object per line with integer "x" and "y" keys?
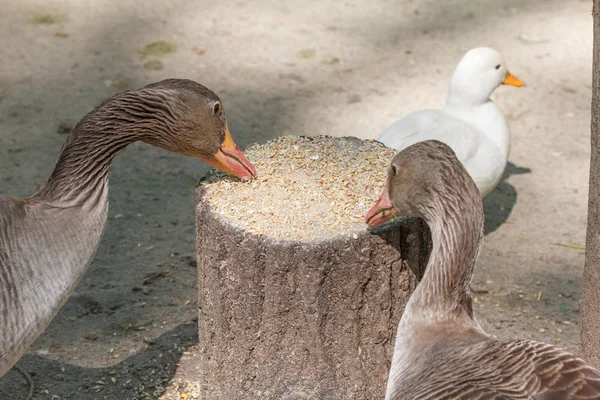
{"x": 477, "y": 75}
{"x": 421, "y": 179}
{"x": 181, "y": 116}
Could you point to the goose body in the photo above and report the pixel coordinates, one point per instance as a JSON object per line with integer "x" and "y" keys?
{"x": 441, "y": 352}
{"x": 47, "y": 241}
{"x": 470, "y": 123}
{"x": 44, "y": 253}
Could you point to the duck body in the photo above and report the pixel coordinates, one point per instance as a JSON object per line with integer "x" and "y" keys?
{"x": 48, "y": 241}
{"x": 441, "y": 352}
{"x": 470, "y": 123}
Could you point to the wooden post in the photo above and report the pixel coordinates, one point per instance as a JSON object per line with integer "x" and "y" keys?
{"x": 590, "y": 309}
{"x": 294, "y": 320}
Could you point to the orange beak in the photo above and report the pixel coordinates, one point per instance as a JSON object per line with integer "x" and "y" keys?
{"x": 230, "y": 159}
{"x": 512, "y": 80}
{"x": 382, "y": 211}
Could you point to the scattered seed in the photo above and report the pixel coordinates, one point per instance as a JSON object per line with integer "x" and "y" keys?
{"x": 308, "y": 188}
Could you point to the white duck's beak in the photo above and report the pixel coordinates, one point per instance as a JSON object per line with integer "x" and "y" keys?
{"x": 512, "y": 80}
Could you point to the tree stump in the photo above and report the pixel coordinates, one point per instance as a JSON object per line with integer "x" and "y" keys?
{"x": 301, "y": 318}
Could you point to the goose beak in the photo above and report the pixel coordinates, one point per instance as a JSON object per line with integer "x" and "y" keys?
{"x": 512, "y": 80}
{"x": 230, "y": 159}
{"x": 382, "y": 211}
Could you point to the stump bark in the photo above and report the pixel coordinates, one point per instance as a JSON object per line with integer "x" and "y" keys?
{"x": 301, "y": 320}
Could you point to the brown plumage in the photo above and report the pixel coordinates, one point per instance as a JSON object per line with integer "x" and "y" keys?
{"x": 441, "y": 352}
{"x": 48, "y": 240}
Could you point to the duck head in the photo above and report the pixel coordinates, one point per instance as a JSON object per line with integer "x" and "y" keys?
{"x": 477, "y": 75}
{"x": 185, "y": 117}
{"x": 422, "y": 178}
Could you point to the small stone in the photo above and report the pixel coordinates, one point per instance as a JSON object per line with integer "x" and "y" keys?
{"x": 355, "y": 98}
{"x": 64, "y": 128}
{"x": 191, "y": 261}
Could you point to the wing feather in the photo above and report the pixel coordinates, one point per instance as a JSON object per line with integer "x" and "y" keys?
{"x": 499, "y": 370}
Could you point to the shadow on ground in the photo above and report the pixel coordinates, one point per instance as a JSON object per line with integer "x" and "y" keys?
{"x": 498, "y": 205}
{"x": 141, "y": 376}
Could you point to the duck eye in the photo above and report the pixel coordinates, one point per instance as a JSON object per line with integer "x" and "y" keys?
{"x": 497, "y": 66}
{"x": 217, "y": 108}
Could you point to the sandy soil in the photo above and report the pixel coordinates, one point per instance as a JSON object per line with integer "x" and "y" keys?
{"x": 341, "y": 68}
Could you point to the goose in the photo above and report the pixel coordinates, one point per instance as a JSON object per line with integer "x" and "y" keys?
{"x": 48, "y": 240}
{"x": 470, "y": 122}
{"x": 441, "y": 352}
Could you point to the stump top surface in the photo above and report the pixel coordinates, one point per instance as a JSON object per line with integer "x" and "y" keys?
{"x": 308, "y": 188}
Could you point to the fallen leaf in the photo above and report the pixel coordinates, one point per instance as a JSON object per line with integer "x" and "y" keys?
{"x": 154, "y": 65}
{"x": 157, "y": 49}
{"x": 531, "y": 39}
{"x": 571, "y": 245}
{"x": 306, "y": 53}
{"x": 45, "y": 19}
{"x": 332, "y": 61}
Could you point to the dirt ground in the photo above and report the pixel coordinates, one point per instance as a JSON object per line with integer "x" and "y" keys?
{"x": 333, "y": 67}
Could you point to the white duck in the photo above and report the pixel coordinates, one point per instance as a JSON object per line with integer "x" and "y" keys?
{"x": 470, "y": 123}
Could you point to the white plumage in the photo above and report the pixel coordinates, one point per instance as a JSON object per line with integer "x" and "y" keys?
{"x": 470, "y": 123}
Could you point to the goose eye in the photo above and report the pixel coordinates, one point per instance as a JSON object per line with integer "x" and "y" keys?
{"x": 217, "y": 108}
{"x": 498, "y": 66}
